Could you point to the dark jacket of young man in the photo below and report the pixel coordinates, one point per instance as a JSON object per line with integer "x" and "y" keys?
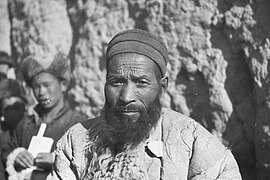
{"x": 48, "y": 81}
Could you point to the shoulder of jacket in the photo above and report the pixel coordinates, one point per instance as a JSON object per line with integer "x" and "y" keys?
{"x": 176, "y": 119}
{"x": 83, "y": 125}
{"x": 28, "y": 120}
{"x": 77, "y": 116}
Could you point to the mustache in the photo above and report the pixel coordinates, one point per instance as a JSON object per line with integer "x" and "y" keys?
{"x": 130, "y": 107}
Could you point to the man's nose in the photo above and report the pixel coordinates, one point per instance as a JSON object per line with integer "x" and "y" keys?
{"x": 127, "y": 94}
{"x": 42, "y": 90}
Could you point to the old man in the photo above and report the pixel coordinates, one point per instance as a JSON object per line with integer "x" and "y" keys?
{"x": 135, "y": 137}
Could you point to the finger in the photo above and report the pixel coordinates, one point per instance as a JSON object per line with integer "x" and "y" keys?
{"x": 43, "y": 157}
{"x": 41, "y": 160}
{"x": 26, "y": 159}
{"x": 22, "y": 162}
{"x": 39, "y": 156}
{"x": 38, "y": 161}
{"x": 29, "y": 158}
{"x": 29, "y": 154}
{"x": 19, "y": 163}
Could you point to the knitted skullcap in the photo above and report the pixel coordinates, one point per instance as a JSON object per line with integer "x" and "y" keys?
{"x": 58, "y": 67}
{"x": 140, "y": 42}
{"x": 12, "y": 88}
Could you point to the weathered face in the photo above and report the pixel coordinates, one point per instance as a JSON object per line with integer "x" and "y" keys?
{"x": 133, "y": 80}
{"x": 47, "y": 89}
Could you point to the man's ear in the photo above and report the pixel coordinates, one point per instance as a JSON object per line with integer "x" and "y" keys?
{"x": 164, "y": 84}
{"x": 64, "y": 85}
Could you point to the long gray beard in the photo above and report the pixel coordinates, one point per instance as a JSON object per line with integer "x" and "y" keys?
{"x": 124, "y": 133}
{"x": 121, "y": 167}
{"x": 117, "y": 134}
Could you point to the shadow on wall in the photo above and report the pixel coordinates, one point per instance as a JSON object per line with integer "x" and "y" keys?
{"x": 239, "y": 134}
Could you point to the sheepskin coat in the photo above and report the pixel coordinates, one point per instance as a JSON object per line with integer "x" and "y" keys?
{"x": 187, "y": 151}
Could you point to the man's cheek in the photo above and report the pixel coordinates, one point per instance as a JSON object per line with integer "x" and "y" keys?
{"x": 111, "y": 97}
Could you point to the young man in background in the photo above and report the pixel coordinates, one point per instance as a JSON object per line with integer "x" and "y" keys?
{"x": 48, "y": 81}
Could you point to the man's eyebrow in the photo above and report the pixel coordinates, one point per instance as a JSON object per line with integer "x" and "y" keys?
{"x": 114, "y": 74}
{"x": 132, "y": 76}
{"x": 140, "y": 76}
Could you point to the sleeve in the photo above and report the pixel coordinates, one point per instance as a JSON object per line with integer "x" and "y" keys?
{"x": 63, "y": 159}
{"x": 210, "y": 159}
{"x": 2, "y": 172}
{"x": 15, "y": 142}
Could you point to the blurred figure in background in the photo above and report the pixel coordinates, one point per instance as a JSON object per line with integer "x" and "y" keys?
{"x": 5, "y": 65}
{"x": 12, "y": 110}
{"x": 12, "y": 99}
{"x": 13, "y": 107}
{"x": 48, "y": 81}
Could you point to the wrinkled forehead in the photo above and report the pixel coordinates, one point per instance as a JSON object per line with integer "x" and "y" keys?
{"x": 132, "y": 63}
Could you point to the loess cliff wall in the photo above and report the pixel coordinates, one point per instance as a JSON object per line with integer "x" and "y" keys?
{"x": 219, "y": 52}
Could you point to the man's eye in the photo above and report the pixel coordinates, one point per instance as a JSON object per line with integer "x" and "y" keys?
{"x": 47, "y": 85}
{"x": 142, "y": 83}
{"x": 117, "y": 83}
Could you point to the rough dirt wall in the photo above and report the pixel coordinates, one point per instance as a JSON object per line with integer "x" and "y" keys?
{"x": 40, "y": 28}
{"x": 5, "y": 27}
{"x": 218, "y": 68}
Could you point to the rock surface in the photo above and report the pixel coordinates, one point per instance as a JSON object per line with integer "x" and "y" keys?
{"x": 219, "y": 52}
{"x": 5, "y": 27}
